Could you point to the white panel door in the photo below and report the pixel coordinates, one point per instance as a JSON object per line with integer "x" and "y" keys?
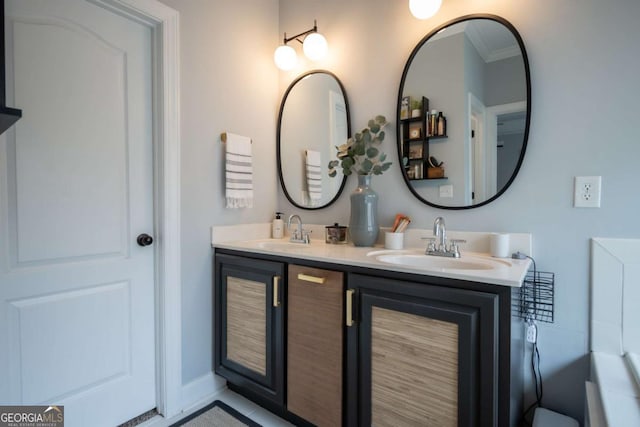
{"x": 76, "y": 189}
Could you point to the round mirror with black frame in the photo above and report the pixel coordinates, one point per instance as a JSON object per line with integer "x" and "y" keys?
{"x": 313, "y": 120}
{"x": 464, "y": 109}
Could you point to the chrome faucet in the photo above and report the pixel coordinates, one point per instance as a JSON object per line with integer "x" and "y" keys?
{"x": 440, "y": 248}
{"x": 440, "y": 232}
{"x": 299, "y": 235}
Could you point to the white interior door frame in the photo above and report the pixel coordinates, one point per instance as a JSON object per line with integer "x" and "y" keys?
{"x": 476, "y": 147}
{"x": 512, "y": 107}
{"x": 492, "y": 134}
{"x": 164, "y": 24}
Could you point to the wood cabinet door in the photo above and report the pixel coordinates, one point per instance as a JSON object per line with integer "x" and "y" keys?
{"x": 315, "y": 306}
{"x": 249, "y": 325}
{"x": 426, "y": 355}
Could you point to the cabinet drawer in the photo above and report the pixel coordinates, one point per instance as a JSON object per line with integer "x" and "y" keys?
{"x": 315, "y": 344}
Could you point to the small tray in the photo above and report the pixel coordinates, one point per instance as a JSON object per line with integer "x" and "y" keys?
{"x": 437, "y": 172}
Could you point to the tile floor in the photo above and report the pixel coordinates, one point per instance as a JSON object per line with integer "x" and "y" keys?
{"x": 237, "y": 402}
{"x": 252, "y": 410}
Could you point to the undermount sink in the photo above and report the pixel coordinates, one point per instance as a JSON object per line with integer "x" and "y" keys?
{"x": 435, "y": 263}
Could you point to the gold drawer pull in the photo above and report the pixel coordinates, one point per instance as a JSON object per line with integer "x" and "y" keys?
{"x": 349, "y": 317}
{"x": 276, "y": 282}
{"x": 312, "y": 279}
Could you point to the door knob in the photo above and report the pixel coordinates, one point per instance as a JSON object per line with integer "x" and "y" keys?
{"x": 144, "y": 239}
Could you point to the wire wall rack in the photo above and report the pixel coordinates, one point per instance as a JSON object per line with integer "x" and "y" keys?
{"x": 535, "y": 299}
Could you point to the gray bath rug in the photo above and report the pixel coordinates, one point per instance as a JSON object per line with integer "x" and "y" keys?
{"x": 217, "y": 414}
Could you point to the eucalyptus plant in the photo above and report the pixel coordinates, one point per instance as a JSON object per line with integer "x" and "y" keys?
{"x": 361, "y": 153}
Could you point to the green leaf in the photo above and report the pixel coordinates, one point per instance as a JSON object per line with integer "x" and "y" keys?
{"x": 346, "y": 164}
{"x": 333, "y": 164}
{"x": 366, "y": 166}
{"x": 372, "y": 152}
{"x": 362, "y": 154}
{"x": 366, "y": 136}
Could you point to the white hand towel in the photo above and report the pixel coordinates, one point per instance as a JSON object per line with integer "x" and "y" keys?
{"x": 239, "y": 172}
{"x": 314, "y": 175}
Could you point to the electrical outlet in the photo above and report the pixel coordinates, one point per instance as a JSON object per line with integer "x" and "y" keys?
{"x": 587, "y": 192}
{"x": 532, "y": 332}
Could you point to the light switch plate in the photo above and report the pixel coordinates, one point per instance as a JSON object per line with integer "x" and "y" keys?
{"x": 587, "y": 191}
{"x": 446, "y": 191}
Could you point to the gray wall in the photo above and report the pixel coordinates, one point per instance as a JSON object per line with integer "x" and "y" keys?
{"x": 442, "y": 61}
{"x": 504, "y": 81}
{"x": 576, "y": 76}
{"x": 474, "y": 73}
{"x": 226, "y": 53}
{"x": 227, "y": 67}
{"x": 509, "y": 148}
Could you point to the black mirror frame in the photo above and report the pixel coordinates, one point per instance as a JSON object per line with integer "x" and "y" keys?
{"x": 525, "y": 59}
{"x": 278, "y": 150}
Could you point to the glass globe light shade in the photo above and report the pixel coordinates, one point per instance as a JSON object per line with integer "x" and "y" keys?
{"x": 315, "y": 46}
{"x": 285, "y": 57}
{"x": 424, "y": 9}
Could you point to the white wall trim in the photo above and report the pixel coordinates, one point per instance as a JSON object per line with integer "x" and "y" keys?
{"x": 201, "y": 390}
{"x": 196, "y": 395}
{"x": 164, "y": 24}
{"x": 512, "y": 107}
{"x": 477, "y": 157}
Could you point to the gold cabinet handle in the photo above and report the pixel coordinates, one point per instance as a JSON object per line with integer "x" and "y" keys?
{"x": 349, "y": 304}
{"x": 312, "y": 279}
{"x": 276, "y": 282}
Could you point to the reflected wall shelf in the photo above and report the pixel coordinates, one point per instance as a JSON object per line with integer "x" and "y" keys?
{"x": 415, "y": 144}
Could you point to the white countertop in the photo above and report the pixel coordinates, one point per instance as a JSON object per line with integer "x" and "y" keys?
{"x": 509, "y": 272}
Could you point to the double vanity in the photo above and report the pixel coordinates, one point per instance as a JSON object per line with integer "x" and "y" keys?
{"x": 325, "y": 334}
{"x": 329, "y": 335}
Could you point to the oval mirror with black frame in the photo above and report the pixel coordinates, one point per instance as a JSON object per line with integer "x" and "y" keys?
{"x": 464, "y": 108}
{"x": 313, "y": 120}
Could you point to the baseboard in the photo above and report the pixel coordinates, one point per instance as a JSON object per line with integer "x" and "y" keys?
{"x": 201, "y": 390}
{"x": 195, "y": 395}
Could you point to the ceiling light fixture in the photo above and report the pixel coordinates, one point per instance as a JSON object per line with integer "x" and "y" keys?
{"x": 424, "y": 9}
{"x": 313, "y": 43}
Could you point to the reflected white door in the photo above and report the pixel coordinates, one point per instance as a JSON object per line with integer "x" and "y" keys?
{"x": 475, "y": 184}
{"x": 76, "y": 189}
{"x": 478, "y": 149}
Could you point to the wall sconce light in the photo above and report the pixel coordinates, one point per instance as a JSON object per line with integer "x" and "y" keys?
{"x": 314, "y": 46}
{"x": 424, "y": 9}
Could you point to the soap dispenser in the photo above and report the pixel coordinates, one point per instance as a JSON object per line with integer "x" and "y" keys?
{"x": 277, "y": 228}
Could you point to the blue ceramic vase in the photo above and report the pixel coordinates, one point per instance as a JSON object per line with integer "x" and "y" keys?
{"x": 363, "y": 223}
